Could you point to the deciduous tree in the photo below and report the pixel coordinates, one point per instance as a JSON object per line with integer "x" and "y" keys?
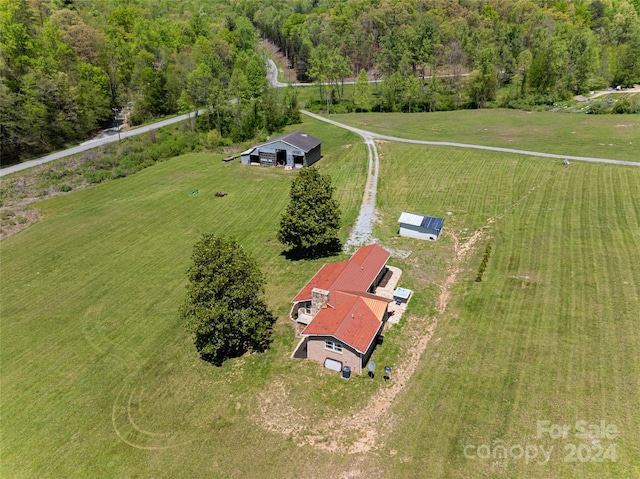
{"x": 362, "y": 93}
{"x": 224, "y": 308}
{"x": 483, "y": 82}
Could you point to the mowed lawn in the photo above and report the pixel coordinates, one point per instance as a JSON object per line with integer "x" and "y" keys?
{"x": 551, "y": 333}
{"x": 100, "y": 379}
{"x": 601, "y": 136}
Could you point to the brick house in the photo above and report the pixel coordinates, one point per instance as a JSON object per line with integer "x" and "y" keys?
{"x": 341, "y": 316}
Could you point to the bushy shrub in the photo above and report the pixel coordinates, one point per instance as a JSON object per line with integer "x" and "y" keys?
{"x": 598, "y": 83}
{"x": 447, "y": 102}
{"x": 483, "y": 263}
{"x": 344, "y": 107}
{"x": 626, "y": 105}
{"x": 119, "y": 172}
{"x": 621, "y": 106}
{"x": 97, "y": 176}
{"x": 596, "y": 107}
{"x": 53, "y": 174}
{"x": 105, "y": 161}
{"x": 520, "y": 104}
{"x": 137, "y": 117}
{"x": 213, "y": 139}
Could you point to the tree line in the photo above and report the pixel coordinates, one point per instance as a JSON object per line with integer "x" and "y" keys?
{"x": 541, "y": 51}
{"x": 67, "y": 64}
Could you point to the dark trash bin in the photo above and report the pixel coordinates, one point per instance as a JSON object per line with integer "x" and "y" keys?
{"x": 346, "y": 372}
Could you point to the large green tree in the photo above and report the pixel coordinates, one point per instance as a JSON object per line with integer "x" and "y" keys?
{"x": 483, "y": 82}
{"x": 311, "y": 221}
{"x": 362, "y": 93}
{"x": 224, "y": 308}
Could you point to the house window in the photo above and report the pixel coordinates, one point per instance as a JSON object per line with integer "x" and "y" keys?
{"x": 333, "y": 345}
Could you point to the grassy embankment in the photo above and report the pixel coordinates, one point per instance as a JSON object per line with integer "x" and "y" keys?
{"x": 99, "y": 378}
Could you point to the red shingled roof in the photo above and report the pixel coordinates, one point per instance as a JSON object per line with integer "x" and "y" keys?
{"x": 349, "y": 318}
{"x": 357, "y": 274}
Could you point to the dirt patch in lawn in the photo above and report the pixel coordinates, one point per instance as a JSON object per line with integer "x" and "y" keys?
{"x": 15, "y": 218}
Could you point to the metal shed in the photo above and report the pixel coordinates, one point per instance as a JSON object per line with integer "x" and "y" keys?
{"x": 420, "y": 226}
{"x": 295, "y": 150}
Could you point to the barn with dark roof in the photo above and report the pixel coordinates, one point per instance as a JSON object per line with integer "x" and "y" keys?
{"x": 294, "y": 150}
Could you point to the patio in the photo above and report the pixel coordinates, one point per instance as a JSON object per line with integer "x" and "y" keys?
{"x": 386, "y": 290}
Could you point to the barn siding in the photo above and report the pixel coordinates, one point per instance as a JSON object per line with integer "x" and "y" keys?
{"x": 312, "y": 156}
{"x": 245, "y": 159}
{"x": 268, "y": 151}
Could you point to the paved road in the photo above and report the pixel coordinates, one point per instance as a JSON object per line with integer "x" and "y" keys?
{"x": 272, "y": 75}
{"x": 93, "y": 144}
{"x": 370, "y": 134}
{"x": 635, "y": 89}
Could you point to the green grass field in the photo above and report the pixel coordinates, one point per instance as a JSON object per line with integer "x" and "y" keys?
{"x": 602, "y": 136}
{"x": 99, "y": 379}
{"x": 93, "y": 355}
{"x": 551, "y": 333}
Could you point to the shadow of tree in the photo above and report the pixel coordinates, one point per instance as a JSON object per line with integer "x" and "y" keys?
{"x": 255, "y": 346}
{"x": 324, "y": 250}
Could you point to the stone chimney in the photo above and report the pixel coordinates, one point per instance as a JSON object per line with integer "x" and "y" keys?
{"x": 319, "y": 300}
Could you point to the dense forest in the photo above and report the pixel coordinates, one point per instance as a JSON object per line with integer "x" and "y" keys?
{"x": 542, "y": 50}
{"x": 67, "y": 65}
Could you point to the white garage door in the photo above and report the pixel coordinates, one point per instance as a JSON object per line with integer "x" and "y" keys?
{"x": 333, "y": 364}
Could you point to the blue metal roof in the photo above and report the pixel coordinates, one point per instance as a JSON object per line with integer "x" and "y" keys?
{"x": 432, "y": 222}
